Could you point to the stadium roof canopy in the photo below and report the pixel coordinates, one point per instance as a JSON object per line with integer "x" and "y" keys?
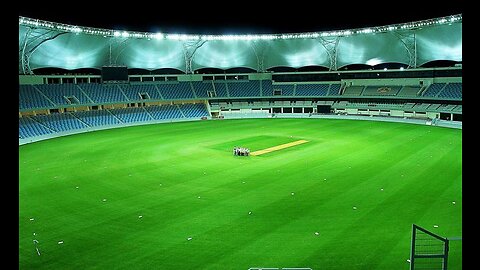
{"x": 44, "y": 44}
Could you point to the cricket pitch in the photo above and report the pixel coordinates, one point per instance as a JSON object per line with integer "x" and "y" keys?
{"x": 278, "y": 147}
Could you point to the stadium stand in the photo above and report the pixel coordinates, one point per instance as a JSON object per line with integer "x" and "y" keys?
{"x": 381, "y": 90}
{"x": 458, "y": 109}
{"x": 131, "y": 114}
{"x": 433, "y": 107}
{"x": 101, "y": 94}
{"x": 267, "y": 88}
{"x": 176, "y": 91}
{"x": 31, "y": 98}
{"x": 64, "y": 100}
{"x": 139, "y": 102}
{"x": 451, "y": 91}
{"x": 31, "y": 128}
{"x": 312, "y": 90}
{"x": 434, "y": 89}
{"x": 97, "y": 117}
{"x": 409, "y": 91}
{"x": 164, "y": 112}
{"x": 408, "y": 106}
{"x": 244, "y": 88}
{"x": 221, "y": 89}
{"x": 203, "y": 88}
{"x": 334, "y": 90}
{"x": 353, "y": 90}
{"x": 420, "y": 106}
{"x": 283, "y": 89}
{"x": 60, "y": 121}
{"x": 194, "y": 110}
{"x": 140, "y": 92}
{"x": 446, "y": 107}
{"x": 63, "y": 94}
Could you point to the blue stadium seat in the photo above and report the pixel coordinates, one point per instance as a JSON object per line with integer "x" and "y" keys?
{"x": 31, "y": 128}
{"x": 312, "y": 90}
{"x": 97, "y": 117}
{"x": 194, "y": 110}
{"x": 244, "y": 88}
{"x": 177, "y": 90}
{"x": 58, "y": 93}
{"x": 434, "y": 89}
{"x": 100, "y": 93}
{"x": 31, "y": 98}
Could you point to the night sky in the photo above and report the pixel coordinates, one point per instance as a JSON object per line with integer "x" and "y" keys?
{"x": 238, "y": 17}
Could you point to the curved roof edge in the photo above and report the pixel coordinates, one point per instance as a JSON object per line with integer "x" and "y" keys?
{"x": 30, "y": 22}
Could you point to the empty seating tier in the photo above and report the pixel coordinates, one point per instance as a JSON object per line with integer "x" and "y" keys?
{"x": 312, "y": 90}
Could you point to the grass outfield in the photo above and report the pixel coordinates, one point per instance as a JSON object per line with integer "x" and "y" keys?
{"x": 184, "y": 181}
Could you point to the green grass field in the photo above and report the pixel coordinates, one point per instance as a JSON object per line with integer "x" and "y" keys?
{"x": 184, "y": 181}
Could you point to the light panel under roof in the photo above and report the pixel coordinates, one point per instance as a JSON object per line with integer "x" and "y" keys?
{"x": 173, "y": 36}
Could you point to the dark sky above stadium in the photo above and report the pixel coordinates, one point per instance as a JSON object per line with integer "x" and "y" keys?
{"x": 239, "y": 17}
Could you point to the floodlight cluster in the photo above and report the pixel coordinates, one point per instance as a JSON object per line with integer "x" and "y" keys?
{"x": 184, "y": 37}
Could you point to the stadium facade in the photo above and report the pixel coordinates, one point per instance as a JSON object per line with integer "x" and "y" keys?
{"x": 172, "y": 77}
